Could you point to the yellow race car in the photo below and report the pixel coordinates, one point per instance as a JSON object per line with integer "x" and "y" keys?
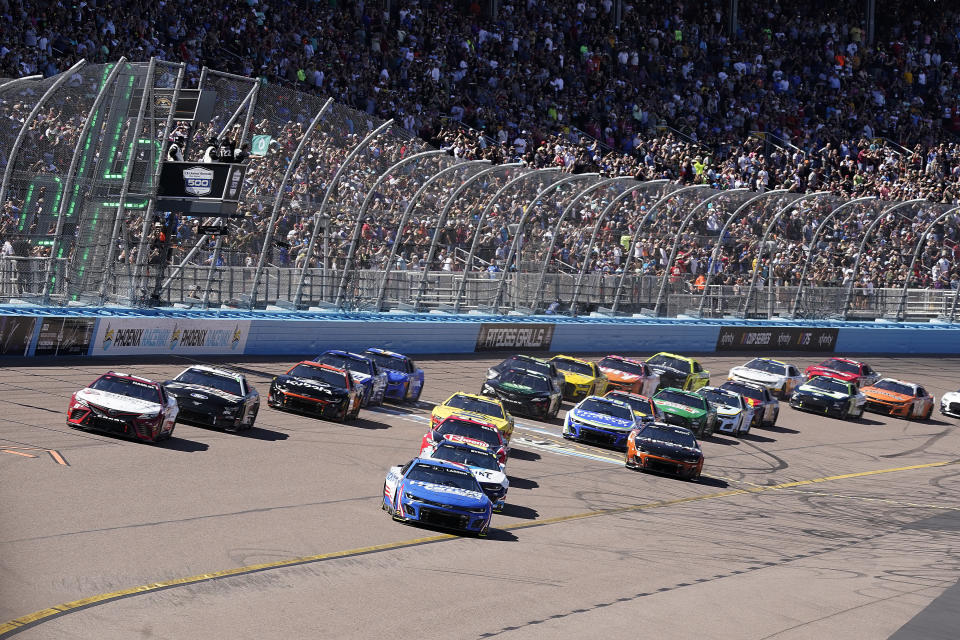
{"x": 680, "y": 372}
{"x": 480, "y": 408}
{"x": 581, "y": 378}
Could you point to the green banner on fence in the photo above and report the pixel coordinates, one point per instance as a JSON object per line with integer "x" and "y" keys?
{"x": 260, "y": 145}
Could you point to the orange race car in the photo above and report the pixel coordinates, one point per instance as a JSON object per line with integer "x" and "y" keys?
{"x": 898, "y": 398}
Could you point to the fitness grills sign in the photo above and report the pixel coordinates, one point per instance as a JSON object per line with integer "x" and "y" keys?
{"x": 497, "y": 336}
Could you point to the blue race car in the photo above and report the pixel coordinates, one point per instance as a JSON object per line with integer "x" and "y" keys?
{"x": 599, "y": 420}
{"x": 404, "y": 379}
{"x": 364, "y": 372}
{"x": 437, "y": 493}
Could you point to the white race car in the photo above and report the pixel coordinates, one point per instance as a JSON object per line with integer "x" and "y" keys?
{"x": 483, "y": 464}
{"x": 950, "y": 404}
{"x": 781, "y": 378}
{"x": 126, "y": 405}
{"x": 734, "y": 414}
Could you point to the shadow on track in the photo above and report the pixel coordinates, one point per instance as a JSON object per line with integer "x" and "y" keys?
{"x": 519, "y": 511}
{"x": 181, "y": 444}
{"x": 755, "y": 437}
{"x": 522, "y": 483}
{"x": 523, "y": 454}
{"x": 709, "y": 481}
{"x": 717, "y": 439}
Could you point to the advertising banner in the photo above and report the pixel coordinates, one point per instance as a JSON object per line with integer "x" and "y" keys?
{"x": 777, "y": 339}
{"x": 16, "y": 332}
{"x": 130, "y": 336}
{"x": 497, "y": 336}
{"x": 64, "y": 336}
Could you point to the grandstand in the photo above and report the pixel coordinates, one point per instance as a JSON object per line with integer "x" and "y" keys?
{"x": 730, "y": 201}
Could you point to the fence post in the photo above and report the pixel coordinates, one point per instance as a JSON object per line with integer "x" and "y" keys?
{"x": 357, "y": 226}
{"x": 125, "y": 188}
{"x": 916, "y": 256}
{"x": 268, "y": 237}
{"x": 71, "y": 174}
{"x": 8, "y": 171}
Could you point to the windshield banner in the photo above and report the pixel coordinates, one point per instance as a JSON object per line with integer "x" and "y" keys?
{"x": 777, "y": 339}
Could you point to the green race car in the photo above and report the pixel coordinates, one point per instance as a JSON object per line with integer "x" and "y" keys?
{"x": 686, "y": 409}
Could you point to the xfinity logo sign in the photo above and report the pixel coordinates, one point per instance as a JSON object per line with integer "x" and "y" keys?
{"x": 198, "y": 181}
{"x": 777, "y": 339}
{"x": 530, "y": 336}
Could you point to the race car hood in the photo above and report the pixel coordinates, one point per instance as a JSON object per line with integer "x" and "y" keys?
{"x": 888, "y": 396}
{"x": 601, "y": 420}
{"x": 201, "y": 392}
{"x": 953, "y": 396}
{"x": 309, "y": 387}
{"x": 516, "y": 389}
{"x": 443, "y": 494}
{"x": 620, "y": 376}
{"x": 668, "y": 373}
{"x": 396, "y": 377}
{"x": 679, "y": 409}
{"x": 361, "y": 378}
{"x": 668, "y": 450}
{"x": 117, "y": 402}
{"x": 490, "y": 476}
{"x": 442, "y": 412}
{"x": 832, "y": 373}
{"x": 755, "y": 375}
{"x": 473, "y": 442}
{"x": 576, "y": 378}
{"x": 727, "y": 410}
{"x": 814, "y": 391}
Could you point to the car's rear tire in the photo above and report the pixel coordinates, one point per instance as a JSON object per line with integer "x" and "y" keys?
{"x": 773, "y": 423}
{"x": 417, "y": 397}
{"x": 929, "y": 413}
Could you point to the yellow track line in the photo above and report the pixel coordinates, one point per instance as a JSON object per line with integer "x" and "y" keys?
{"x": 18, "y": 624}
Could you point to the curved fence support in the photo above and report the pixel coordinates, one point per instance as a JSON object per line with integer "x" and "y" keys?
{"x": 322, "y": 211}
{"x": 268, "y": 238}
{"x": 676, "y": 241}
{"x": 848, "y": 295}
{"x": 443, "y": 218}
{"x": 636, "y": 237}
{"x": 813, "y": 244}
{"x": 483, "y": 217}
{"x": 538, "y": 294}
{"x": 763, "y": 243}
{"x": 71, "y": 174}
{"x": 953, "y": 308}
{"x": 596, "y": 228}
{"x": 382, "y": 290}
{"x": 358, "y": 223}
{"x": 916, "y": 256}
{"x": 714, "y": 253}
{"x": 29, "y": 121}
{"x": 518, "y": 236}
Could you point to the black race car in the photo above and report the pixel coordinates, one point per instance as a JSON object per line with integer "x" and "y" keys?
{"x": 525, "y": 392}
{"x": 214, "y": 398}
{"x": 317, "y": 389}
{"x": 530, "y": 363}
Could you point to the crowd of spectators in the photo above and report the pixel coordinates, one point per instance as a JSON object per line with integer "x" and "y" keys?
{"x": 796, "y": 98}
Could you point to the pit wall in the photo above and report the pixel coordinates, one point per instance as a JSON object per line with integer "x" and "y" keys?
{"x": 37, "y": 331}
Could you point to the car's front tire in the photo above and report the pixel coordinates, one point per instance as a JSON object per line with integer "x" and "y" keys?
{"x": 773, "y": 423}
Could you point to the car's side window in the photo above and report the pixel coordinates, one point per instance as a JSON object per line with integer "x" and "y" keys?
{"x": 403, "y": 469}
{"x": 792, "y": 371}
{"x": 696, "y": 367}
{"x": 921, "y": 392}
{"x": 867, "y": 370}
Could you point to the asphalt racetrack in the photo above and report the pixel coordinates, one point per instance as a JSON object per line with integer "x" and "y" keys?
{"x": 817, "y": 528}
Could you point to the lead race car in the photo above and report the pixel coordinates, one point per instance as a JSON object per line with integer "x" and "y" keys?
{"x": 438, "y": 493}
{"x": 124, "y": 404}
{"x": 317, "y": 389}
{"x": 404, "y": 379}
{"x": 482, "y": 464}
{"x": 214, "y": 397}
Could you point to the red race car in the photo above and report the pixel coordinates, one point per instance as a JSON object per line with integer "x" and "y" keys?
{"x": 858, "y": 373}
{"x": 126, "y": 405}
{"x": 468, "y": 431}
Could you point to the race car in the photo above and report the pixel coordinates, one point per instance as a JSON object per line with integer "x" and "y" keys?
{"x": 437, "y": 493}
{"x": 600, "y": 421}
{"x": 766, "y": 407}
{"x": 686, "y": 409}
{"x": 830, "y": 396}
{"x": 950, "y": 404}
{"x": 844, "y": 369}
{"x": 633, "y": 376}
{"x": 214, "y": 397}
{"x": 404, "y": 379}
{"x": 898, "y": 398}
{"x": 678, "y": 372}
{"x": 734, "y": 414}
{"x": 482, "y": 464}
{"x": 664, "y": 448}
{"x": 581, "y": 378}
{"x": 479, "y": 434}
{"x": 780, "y": 377}
{"x": 644, "y": 408}
{"x": 484, "y": 409}
{"x": 124, "y": 404}
{"x": 363, "y": 370}
{"x": 316, "y": 389}
{"x": 529, "y": 363}
{"x": 525, "y": 392}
